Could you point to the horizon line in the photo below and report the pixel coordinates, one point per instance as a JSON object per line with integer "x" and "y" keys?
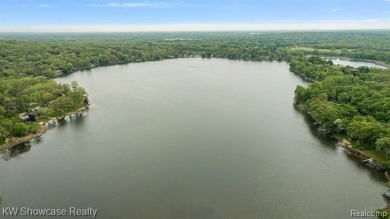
{"x": 286, "y": 26}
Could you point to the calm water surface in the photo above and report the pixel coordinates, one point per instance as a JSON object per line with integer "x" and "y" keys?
{"x": 355, "y": 64}
{"x": 189, "y": 138}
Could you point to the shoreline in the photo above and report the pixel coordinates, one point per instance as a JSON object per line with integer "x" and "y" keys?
{"x": 372, "y": 163}
{"x": 343, "y": 58}
{"x": 340, "y": 142}
{"x": 14, "y": 141}
{"x": 367, "y": 160}
{"x": 346, "y": 144}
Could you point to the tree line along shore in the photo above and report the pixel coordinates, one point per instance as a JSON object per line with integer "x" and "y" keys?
{"x": 350, "y": 103}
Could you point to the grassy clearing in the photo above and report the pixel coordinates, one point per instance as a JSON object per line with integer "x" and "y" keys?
{"x": 377, "y": 155}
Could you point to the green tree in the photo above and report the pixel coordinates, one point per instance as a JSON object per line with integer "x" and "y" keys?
{"x": 20, "y": 129}
{"x": 366, "y": 129}
{"x": 383, "y": 144}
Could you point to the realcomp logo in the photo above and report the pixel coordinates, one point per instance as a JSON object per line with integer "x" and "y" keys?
{"x": 365, "y": 213}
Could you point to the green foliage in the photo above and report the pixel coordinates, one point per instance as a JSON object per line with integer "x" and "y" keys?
{"x": 301, "y": 95}
{"x": 23, "y": 94}
{"x": 334, "y": 117}
{"x": 337, "y": 96}
{"x": 383, "y": 144}
{"x": 384, "y": 213}
{"x": 347, "y": 100}
{"x": 365, "y": 129}
{"x": 358, "y": 106}
{"x": 19, "y": 129}
{"x": 51, "y": 55}
{"x": 314, "y": 68}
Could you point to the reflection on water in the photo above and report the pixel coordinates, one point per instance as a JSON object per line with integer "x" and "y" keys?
{"x": 356, "y": 64}
{"x": 16, "y": 151}
{"x": 378, "y": 175}
{"x": 320, "y": 134}
{"x": 331, "y": 143}
{"x": 191, "y": 138}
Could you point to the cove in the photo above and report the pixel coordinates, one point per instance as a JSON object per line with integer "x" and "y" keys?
{"x": 190, "y": 138}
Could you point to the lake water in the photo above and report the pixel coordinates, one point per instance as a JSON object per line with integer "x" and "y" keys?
{"x": 355, "y": 64}
{"x": 190, "y": 138}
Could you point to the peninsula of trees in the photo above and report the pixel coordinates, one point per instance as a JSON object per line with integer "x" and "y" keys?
{"x": 27, "y": 101}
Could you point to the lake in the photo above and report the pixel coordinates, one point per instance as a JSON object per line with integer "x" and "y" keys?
{"x": 190, "y": 138}
{"x": 355, "y": 64}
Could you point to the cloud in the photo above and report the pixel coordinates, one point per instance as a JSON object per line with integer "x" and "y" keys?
{"x": 334, "y": 10}
{"x": 36, "y": 6}
{"x": 144, "y": 4}
{"x": 44, "y": 6}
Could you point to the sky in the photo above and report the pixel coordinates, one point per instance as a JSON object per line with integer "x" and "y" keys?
{"x": 190, "y": 15}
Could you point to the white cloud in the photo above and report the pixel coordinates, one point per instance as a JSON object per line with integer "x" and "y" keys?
{"x": 334, "y": 10}
{"x": 370, "y": 24}
{"x": 44, "y": 6}
{"x": 145, "y": 4}
{"x": 36, "y": 6}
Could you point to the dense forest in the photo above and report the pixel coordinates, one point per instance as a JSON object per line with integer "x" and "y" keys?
{"x": 52, "y": 55}
{"x": 346, "y": 101}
